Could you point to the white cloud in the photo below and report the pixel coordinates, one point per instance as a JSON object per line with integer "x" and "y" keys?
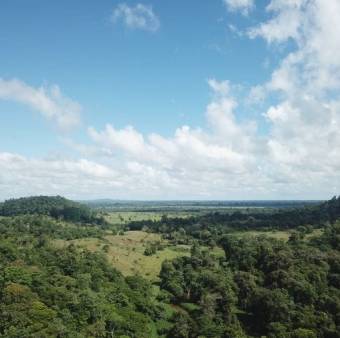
{"x": 304, "y": 143}
{"x": 73, "y": 178}
{"x": 190, "y": 149}
{"x": 49, "y": 102}
{"x": 244, "y": 6}
{"x": 287, "y": 20}
{"x": 136, "y": 17}
{"x": 298, "y": 156}
{"x": 193, "y": 162}
{"x": 257, "y": 94}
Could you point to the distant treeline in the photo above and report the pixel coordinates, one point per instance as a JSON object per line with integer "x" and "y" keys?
{"x": 326, "y": 212}
{"x": 55, "y": 206}
{"x": 192, "y": 206}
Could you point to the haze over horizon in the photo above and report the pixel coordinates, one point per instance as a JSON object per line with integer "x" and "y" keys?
{"x": 148, "y": 100}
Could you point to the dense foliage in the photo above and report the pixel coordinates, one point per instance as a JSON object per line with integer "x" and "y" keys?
{"x": 213, "y": 225}
{"x": 261, "y": 288}
{"x": 54, "y": 206}
{"x": 254, "y": 287}
{"x": 50, "y": 292}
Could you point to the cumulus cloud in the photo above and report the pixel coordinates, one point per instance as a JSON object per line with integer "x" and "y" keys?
{"x": 48, "y": 101}
{"x": 224, "y": 148}
{"x": 52, "y": 176}
{"x": 303, "y": 140}
{"x": 243, "y": 6}
{"x": 301, "y": 150}
{"x": 193, "y": 162}
{"x": 297, "y": 156}
{"x": 136, "y": 17}
{"x": 288, "y": 16}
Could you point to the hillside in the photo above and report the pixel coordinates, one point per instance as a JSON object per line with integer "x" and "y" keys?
{"x": 54, "y": 206}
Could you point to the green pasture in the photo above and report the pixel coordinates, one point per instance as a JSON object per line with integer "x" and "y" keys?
{"x": 124, "y": 217}
{"x": 126, "y": 252}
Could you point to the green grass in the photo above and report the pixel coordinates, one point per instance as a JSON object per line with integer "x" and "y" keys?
{"x": 283, "y": 235}
{"x": 315, "y": 233}
{"x": 190, "y": 307}
{"x": 126, "y": 252}
{"x": 278, "y": 234}
{"x": 124, "y": 217}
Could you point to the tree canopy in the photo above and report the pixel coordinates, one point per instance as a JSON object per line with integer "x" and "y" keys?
{"x": 54, "y": 206}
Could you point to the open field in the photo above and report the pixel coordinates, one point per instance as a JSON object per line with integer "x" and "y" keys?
{"x": 126, "y": 252}
{"x": 315, "y": 233}
{"x": 120, "y": 213}
{"x": 121, "y": 217}
{"x": 284, "y": 235}
{"x": 278, "y": 234}
{"x": 124, "y": 217}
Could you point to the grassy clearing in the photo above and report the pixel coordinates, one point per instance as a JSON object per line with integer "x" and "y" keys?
{"x": 283, "y": 235}
{"x": 278, "y": 234}
{"x": 315, "y": 233}
{"x": 124, "y": 217}
{"x": 126, "y": 252}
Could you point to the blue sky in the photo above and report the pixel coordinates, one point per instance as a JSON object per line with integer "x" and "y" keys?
{"x": 153, "y": 74}
{"x": 153, "y": 80}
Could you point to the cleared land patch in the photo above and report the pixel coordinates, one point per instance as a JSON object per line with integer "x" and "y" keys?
{"x": 284, "y": 235}
{"x": 277, "y": 234}
{"x": 124, "y": 217}
{"x": 126, "y": 252}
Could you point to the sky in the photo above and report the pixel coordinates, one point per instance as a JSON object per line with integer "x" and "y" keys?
{"x": 159, "y": 100}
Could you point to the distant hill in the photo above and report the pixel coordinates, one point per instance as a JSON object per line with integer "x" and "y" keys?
{"x": 54, "y": 206}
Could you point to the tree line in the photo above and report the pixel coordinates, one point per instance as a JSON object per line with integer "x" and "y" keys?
{"x": 218, "y": 223}
{"x": 54, "y": 206}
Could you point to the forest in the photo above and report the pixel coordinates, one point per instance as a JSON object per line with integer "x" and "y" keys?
{"x": 228, "y": 283}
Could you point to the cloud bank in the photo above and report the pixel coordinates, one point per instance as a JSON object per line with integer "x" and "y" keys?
{"x": 299, "y": 156}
